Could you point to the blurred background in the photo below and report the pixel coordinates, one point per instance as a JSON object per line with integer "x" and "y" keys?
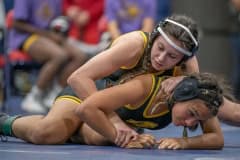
{"x": 215, "y": 20}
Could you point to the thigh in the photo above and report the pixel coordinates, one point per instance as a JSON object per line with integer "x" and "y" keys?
{"x": 61, "y": 120}
{"x": 43, "y": 49}
{"x": 75, "y": 52}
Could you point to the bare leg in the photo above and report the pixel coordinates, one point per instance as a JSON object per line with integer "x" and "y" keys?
{"x": 52, "y": 55}
{"x": 55, "y": 128}
{"x": 229, "y": 113}
{"x": 77, "y": 58}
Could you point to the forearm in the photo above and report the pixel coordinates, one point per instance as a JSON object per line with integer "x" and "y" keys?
{"x": 229, "y": 113}
{"x": 148, "y": 25}
{"x": 98, "y": 121}
{"x": 205, "y": 141}
{"x": 113, "y": 30}
{"x": 82, "y": 86}
{"x": 22, "y": 26}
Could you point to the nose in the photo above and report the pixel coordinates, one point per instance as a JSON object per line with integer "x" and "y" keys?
{"x": 161, "y": 57}
{"x": 191, "y": 122}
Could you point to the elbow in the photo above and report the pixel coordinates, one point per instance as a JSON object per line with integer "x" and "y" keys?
{"x": 73, "y": 79}
{"x": 221, "y": 143}
{"x": 82, "y": 112}
{"x": 86, "y": 109}
{"x": 218, "y": 142}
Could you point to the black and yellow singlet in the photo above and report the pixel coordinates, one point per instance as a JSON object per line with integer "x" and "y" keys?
{"x": 142, "y": 116}
{"x": 152, "y": 113}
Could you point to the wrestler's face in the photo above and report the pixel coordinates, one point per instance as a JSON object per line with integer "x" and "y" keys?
{"x": 189, "y": 113}
{"x": 163, "y": 55}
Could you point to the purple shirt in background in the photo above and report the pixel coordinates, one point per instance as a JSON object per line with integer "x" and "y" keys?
{"x": 129, "y": 14}
{"x": 38, "y": 13}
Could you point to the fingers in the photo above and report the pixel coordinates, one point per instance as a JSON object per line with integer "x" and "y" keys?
{"x": 128, "y": 137}
{"x": 120, "y": 138}
{"x": 123, "y": 137}
{"x": 169, "y": 143}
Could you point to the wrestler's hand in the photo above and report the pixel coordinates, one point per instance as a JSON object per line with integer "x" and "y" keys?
{"x": 142, "y": 141}
{"x": 172, "y": 143}
{"x": 124, "y": 134}
{"x": 168, "y": 85}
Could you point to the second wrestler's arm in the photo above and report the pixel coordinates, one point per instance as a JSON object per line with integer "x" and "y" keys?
{"x": 95, "y": 108}
{"x": 212, "y": 138}
{"x": 125, "y": 51}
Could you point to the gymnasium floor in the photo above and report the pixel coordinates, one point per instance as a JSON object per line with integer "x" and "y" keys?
{"x": 16, "y": 149}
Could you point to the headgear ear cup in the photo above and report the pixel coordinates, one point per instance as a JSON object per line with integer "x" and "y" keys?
{"x": 189, "y": 88}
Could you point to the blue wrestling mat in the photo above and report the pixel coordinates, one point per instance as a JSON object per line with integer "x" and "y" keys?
{"x": 16, "y": 149}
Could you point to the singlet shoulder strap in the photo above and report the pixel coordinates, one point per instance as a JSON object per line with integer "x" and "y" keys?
{"x": 145, "y": 36}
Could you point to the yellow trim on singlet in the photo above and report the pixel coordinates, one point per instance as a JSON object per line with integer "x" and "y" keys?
{"x": 71, "y": 98}
{"x": 142, "y": 51}
{"x": 151, "y": 100}
{"x": 29, "y": 41}
{"x": 130, "y": 107}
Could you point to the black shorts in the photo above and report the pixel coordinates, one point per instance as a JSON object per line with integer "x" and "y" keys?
{"x": 68, "y": 93}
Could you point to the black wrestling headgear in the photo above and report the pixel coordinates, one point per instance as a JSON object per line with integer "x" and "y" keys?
{"x": 190, "y": 88}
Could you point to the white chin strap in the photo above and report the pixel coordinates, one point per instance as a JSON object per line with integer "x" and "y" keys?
{"x": 182, "y": 50}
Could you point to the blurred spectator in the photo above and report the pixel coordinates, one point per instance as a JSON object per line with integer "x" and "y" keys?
{"x": 235, "y": 41}
{"x": 85, "y": 17}
{"x": 128, "y": 15}
{"x": 2, "y": 26}
{"x": 31, "y": 33}
{"x": 164, "y": 9}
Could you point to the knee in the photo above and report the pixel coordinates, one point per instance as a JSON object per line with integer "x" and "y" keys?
{"x": 60, "y": 57}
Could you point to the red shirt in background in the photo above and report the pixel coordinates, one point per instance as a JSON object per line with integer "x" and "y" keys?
{"x": 90, "y": 33}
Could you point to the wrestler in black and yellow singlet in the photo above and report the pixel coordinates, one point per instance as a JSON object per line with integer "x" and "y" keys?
{"x": 137, "y": 116}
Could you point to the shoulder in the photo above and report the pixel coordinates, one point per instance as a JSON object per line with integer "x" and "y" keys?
{"x": 135, "y": 38}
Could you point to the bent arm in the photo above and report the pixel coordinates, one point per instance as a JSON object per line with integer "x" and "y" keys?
{"x": 96, "y": 108}
{"x": 125, "y": 50}
{"x": 26, "y": 27}
{"x": 212, "y": 137}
